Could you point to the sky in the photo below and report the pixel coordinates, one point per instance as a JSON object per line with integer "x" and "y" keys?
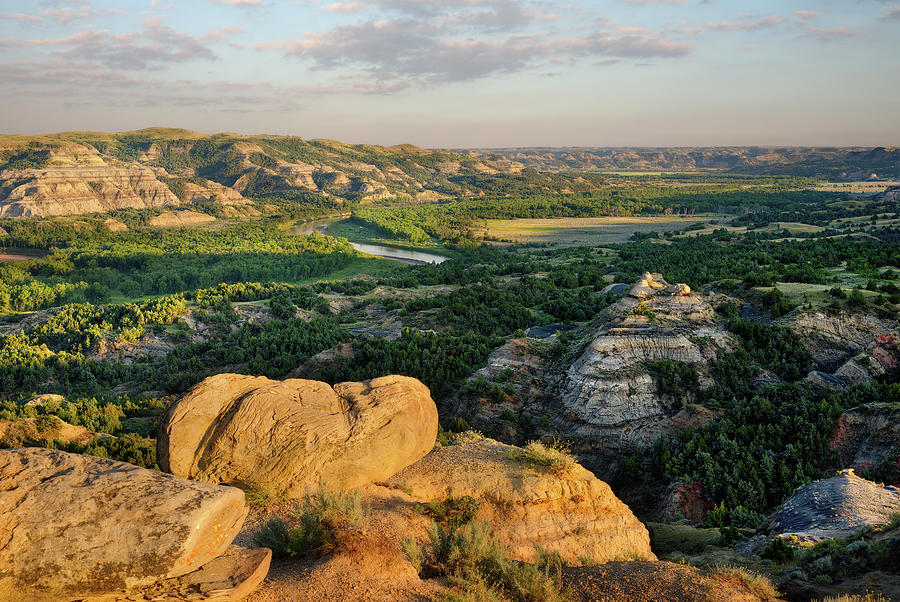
{"x": 460, "y": 73}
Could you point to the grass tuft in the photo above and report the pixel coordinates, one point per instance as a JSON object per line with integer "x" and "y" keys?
{"x": 757, "y": 584}
{"x": 555, "y": 456}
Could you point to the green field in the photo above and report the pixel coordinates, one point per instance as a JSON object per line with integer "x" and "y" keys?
{"x": 580, "y": 231}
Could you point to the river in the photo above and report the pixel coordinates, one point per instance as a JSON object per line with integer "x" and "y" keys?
{"x": 396, "y": 253}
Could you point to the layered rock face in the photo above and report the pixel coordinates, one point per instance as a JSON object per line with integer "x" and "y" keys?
{"x": 575, "y": 514}
{"x": 74, "y": 527}
{"x": 610, "y": 400}
{"x": 878, "y": 361}
{"x": 836, "y": 507}
{"x": 833, "y": 340}
{"x": 868, "y": 437}
{"x": 297, "y": 434}
{"x": 69, "y": 190}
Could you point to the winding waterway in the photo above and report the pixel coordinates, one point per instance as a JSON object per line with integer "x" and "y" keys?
{"x": 395, "y": 253}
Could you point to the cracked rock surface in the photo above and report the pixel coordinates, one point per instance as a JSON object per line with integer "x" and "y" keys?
{"x": 74, "y": 526}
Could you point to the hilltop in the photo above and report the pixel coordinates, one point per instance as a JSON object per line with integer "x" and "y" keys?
{"x": 823, "y": 162}
{"x": 87, "y": 172}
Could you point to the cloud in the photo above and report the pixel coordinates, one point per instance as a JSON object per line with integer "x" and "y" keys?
{"x": 420, "y": 52}
{"x": 627, "y": 46}
{"x": 23, "y": 18}
{"x": 344, "y": 7}
{"x": 746, "y": 23}
{"x": 237, "y": 3}
{"x": 825, "y": 34}
{"x": 412, "y": 50}
{"x": 67, "y": 14}
{"x": 655, "y": 1}
{"x": 892, "y": 12}
{"x": 85, "y": 83}
{"x": 153, "y": 45}
{"x": 804, "y": 16}
{"x": 216, "y": 35}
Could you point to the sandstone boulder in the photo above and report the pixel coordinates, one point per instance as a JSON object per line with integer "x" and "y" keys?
{"x": 297, "y": 434}
{"x": 74, "y": 527}
{"x": 575, "y": 514}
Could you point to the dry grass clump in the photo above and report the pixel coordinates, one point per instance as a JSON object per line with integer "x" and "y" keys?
{"x": 555, "y": 456}
{"x": 867, "y": 597}
{"x": 264, "y": 495}
{"x": 757, "y": 584}
{"x": 469, "y": 436}
{"x": 319, "y": 518}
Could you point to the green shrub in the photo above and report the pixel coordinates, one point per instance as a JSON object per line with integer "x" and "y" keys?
{"x": 477, "y": 565}
{"x": 778, "y": 550}
{"x": 867, "y": 597}
{"x": 319, "y": 518}
{"x": 722, "y": 516}
{"x": 674, "y": 378}
{"x": 453, "y": 512}
{"x": 856, "y": 299}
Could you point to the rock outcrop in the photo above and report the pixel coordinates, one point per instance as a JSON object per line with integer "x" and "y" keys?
{"x": 80, "y": 527}
{"x": 81, "y": 189}
{"x": 575, "y": 514}
{"x": 880, "y": 360}
{"x": 611, "y": 403}
{"x": 833, "y": 340}
{"x": 868, "y": 438}
{"x": 44, "y": 430}
{"x": 836, "y": 507}
{"x": 297, "y": 434}
{"x": 173, "y": 219}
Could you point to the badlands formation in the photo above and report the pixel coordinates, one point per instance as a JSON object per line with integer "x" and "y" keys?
{"x": 610, "y": 402}
{"x": 89, "y": 172}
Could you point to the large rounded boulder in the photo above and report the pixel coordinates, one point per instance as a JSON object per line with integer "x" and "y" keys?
{"x": 292, "y": 435}
{"x": 78, "y": 527}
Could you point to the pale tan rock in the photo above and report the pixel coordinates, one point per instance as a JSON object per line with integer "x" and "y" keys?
{"x": 114, "y": 225}
{"x": 212, "y": 192}
{"x": 576, "y": 514}
{"x": 297, "y": 434}
{"x": 71, "y": 190}
{"x": 227, "y": 578}
{"x": 173, "y": 219}
{"x": 74, "y": 526}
